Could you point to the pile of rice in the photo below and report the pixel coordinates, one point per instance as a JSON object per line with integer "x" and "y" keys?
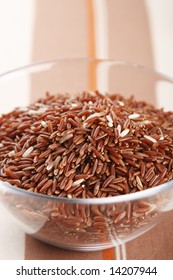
{"x": 87, "y": 146}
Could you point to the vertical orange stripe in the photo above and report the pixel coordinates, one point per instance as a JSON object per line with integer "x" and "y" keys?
{"x": 91, "y": 46}
{"x": 108, "y": 254}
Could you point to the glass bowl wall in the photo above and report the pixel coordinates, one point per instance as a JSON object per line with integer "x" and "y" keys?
{"x": 85, "y": 224}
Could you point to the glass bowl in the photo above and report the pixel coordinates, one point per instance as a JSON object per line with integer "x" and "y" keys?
{"x": 96, "y": 223}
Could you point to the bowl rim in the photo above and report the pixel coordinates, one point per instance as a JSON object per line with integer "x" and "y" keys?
{"x": 139, "y": 195}
{"x": 35, "y": 64}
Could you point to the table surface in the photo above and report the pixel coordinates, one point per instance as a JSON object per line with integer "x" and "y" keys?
{"x": 12, "y": 238}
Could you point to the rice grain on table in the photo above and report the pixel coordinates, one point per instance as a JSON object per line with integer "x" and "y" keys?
{"x": 89, "y": 145}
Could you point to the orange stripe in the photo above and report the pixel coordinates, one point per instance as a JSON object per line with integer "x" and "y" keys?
{"x": 91, "y": 46}
{"x": 108, "y": 254}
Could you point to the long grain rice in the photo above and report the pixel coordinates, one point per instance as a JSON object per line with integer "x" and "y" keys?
{"x": 91, "y": 145}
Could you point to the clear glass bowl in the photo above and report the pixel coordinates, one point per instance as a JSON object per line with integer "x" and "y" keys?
{"x": 85, "y": 224}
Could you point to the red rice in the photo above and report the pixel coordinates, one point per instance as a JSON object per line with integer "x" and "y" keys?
{"x": 86, "y": 146}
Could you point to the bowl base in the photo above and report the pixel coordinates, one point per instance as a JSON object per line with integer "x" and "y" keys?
{"x": 92, "y": 247}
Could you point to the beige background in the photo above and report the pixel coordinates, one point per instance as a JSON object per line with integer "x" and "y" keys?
{"x": 61, "y": 28}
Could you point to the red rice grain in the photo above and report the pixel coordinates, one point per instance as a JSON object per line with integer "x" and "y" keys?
{"x": 86, "y": 146}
